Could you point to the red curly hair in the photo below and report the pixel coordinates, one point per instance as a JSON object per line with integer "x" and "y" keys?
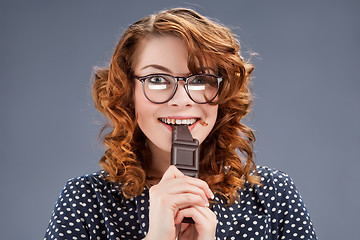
{"x": 226, "y": 155}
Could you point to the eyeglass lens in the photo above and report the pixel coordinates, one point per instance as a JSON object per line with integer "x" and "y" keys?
{"x": 201, "y": 88}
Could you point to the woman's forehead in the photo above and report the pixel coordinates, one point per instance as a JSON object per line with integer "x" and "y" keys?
{"x": 167, "y": 50}
{"x": 164, "y": 53}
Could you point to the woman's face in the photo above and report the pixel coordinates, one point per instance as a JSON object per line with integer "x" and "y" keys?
{"x": 168, "y": 54}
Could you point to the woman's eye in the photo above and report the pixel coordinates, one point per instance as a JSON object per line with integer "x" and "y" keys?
{"x": 157, "y": 79}
{"x": 198, "y": 81}
{"x": 157, "y": 83}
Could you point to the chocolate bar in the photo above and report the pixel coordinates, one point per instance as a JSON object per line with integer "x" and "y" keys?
{"x": 185, "y": 154}
{"x": 185, "y": 151}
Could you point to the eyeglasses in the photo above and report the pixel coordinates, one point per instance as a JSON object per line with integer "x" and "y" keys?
{"x": 160, "y": 88}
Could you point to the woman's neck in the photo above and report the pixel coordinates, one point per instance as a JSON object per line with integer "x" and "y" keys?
{"x": 160, "y": 161}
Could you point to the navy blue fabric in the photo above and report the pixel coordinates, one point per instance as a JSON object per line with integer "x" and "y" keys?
{"x": 91, "y": 208}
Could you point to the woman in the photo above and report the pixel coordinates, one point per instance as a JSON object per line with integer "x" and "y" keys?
{"x": 178, "y": 67}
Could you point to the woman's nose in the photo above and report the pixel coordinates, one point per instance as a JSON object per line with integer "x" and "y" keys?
{"x": 181, "y": 98}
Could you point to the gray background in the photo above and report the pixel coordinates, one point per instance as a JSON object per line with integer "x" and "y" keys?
{"x": 306, "y": 111}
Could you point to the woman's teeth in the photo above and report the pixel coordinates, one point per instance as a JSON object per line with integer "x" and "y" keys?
{"x": 172, "y": 121}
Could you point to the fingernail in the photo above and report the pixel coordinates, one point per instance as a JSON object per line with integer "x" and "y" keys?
{"x": 211, "y": 194}
{"x": 207, "y": 204}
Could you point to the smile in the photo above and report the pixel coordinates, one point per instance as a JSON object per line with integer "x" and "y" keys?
{"x": 173, "y": 121}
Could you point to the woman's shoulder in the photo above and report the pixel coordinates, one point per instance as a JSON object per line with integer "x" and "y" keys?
{"x": 271, "y": 173}
{"x": 276, "y": 189}
{"x": 90, "y": 183}
{"x": 273, "y": 178}
{"x": 274, "y": 185}
{"x": 95, "y": 178}
{"x": 274, "y": 209}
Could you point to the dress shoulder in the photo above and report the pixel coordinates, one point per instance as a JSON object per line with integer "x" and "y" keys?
{"x": 94, "y": 182}
{"x": 82, "y": 207}
{"x": 282, "y": 202}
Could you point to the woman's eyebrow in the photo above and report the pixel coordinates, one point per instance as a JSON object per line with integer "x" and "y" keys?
{"x": 156, "y": 66}
{"x": 167, "y": 70}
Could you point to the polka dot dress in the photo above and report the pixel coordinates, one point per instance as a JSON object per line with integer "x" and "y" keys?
{"x": 91, "y": 208}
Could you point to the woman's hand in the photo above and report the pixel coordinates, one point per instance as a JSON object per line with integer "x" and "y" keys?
{"x": 175, "y": 197}
{"x": 204, "y": 227}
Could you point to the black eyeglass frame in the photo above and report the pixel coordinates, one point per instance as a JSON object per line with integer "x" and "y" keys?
{"x": 186, "y": 79}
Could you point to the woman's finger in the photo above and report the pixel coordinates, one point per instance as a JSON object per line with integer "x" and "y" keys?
{"x": 199, "y": 214}
{"x": 186, "y": 200}
{"x": 201, "y": 184}
{"x": 178, "y": 186}
{"x": 171, "y": 172}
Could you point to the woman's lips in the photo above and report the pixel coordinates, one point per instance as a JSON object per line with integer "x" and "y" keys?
{"x": 168, "y": 126}
{"x": 178, "y": 121}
